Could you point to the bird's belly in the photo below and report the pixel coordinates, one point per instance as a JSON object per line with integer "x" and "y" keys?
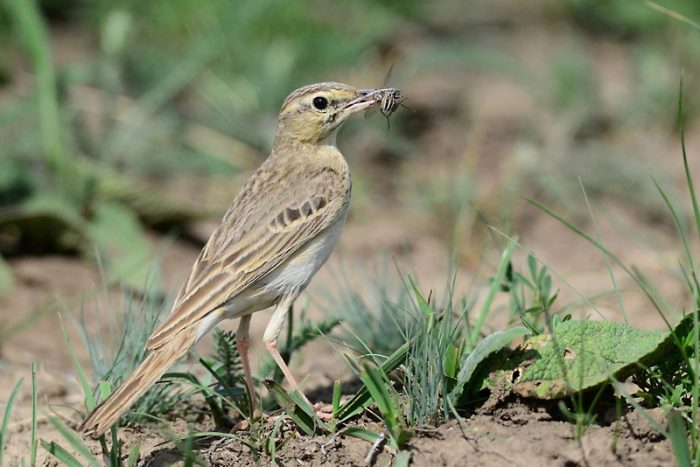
{"x": 296, "y": 273}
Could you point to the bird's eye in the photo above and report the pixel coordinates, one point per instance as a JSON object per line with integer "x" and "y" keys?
{"x": 320, "y": 102}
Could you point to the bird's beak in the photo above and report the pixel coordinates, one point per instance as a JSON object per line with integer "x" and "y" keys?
{"x": 366, "y": 99}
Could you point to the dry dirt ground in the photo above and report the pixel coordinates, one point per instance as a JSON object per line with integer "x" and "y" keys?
{"x": 511, "y": 433}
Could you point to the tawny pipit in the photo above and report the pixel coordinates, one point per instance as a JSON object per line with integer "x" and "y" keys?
{"x": 277, "y": 233}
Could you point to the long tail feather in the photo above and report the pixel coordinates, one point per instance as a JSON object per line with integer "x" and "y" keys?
{"x": 156, "y": 363}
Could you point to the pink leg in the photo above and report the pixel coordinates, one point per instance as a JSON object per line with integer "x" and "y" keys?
{"x": 272, "y": 348}
{"x": 272, "y": 331}
{"x": 242, "y": 344}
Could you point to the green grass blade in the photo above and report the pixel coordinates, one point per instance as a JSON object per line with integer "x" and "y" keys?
{"x": 134, "y": 453}
{"x": 386, "y": 399}
{"x": 74, "y": 440}
{"x": 361, "y": 399}
{"x": 217, "y": 413}
{"x": 300, "y": 413}
{"x": 493, "y": 289}
{"x": 686, "y": 166}
{"x": 402, "y": 459}
{"x": 673, "y": 14}
{"x": 376, "y": 384}
{"x": 33, "y": 441}
{"x": 695, "y": 408}
{"x": 32, "y": 30}
{"x": 271, "y": 443}
{"x": 6, "y": 418}
{"x": 608, "y": 266}
{"x": 115, "y": 452}
{"x": 337, "y": 393}
{"x": 679, "y": 439}
{"x": 361, "y": 433}
{"x": 90, "y": 402}
{"x": 218, "y": 434}
{"x": 61, "y": 454}
{"x": 610, "y": 254}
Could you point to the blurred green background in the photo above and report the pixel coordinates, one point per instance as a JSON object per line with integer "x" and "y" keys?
{"x": 123, "y": 118}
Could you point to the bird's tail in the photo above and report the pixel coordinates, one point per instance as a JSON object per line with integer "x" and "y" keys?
{"x": 156, "y": 363}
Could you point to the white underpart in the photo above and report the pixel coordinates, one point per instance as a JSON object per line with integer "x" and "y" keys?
{"x": 295, "y": 274}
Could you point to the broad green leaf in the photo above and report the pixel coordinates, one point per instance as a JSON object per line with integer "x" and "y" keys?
{"x": 581, "y": 355}
{"x": 490, "y": 344}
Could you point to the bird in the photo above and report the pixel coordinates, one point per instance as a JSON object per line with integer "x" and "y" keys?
{"x": 277, "y": 233}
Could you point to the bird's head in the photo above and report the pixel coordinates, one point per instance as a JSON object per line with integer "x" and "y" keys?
{"x": 315, "y": 112}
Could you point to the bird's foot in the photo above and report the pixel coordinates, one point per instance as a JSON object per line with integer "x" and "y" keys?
{"x": 243, "y": 425}
{"x": 323, "y": 411}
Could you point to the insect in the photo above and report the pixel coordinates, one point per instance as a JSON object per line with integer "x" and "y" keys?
{"x": 389, "y": 99}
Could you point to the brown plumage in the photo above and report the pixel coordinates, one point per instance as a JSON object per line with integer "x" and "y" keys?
{"x": 277, "y": 233}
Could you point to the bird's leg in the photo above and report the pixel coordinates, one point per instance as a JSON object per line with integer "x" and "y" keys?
{"x": 242, "y": 344}
{"x": 272, "y": 332}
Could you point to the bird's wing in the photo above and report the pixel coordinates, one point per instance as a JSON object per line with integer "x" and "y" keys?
{"x": 260, "y": 231}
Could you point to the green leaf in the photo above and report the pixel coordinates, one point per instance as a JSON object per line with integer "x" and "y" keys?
{"x": 403, "y": 459}
{"x": 295, "y": 407}
{"x": 6, "y": 417}
{"x": 72, "y": 438}
{"x": 61, "y": 454}
{"x": 490, "y": 344}
{"x": 423, "y": 305}
{"x": 361, "y": 399}
{"x": 493, "y": 289}
{"x": 32, "y": 441}
{"x": 134, "y": 453}
{"x": 29, "y": 24}
{"x": 362, "y": 433}
{"x": 582, "y": 355}
{"x": 451, "y": 362}
{"x": 337, "y": 393}
{"x": 387, "y": 402}
{"x": 122, "y": 243}
{"x": 376, "y": 384}
{"x": 679, "y": 439}
{"x": 90, "y": 402}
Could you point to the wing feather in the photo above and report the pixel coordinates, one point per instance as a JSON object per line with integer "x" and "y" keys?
{"x": 229, "y": 263}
